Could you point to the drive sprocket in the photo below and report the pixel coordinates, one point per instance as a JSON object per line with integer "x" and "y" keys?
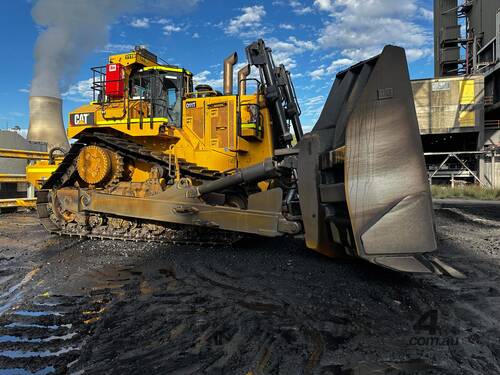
{"x": 99, "y": 166}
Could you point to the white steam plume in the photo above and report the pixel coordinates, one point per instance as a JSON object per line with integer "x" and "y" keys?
{"x": 75, "y": 28}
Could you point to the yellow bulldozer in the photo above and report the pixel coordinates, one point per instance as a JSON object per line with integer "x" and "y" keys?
{"x": 155, "y": 159}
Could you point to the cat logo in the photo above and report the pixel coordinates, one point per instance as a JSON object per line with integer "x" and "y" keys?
{"x": 82, "y": 119}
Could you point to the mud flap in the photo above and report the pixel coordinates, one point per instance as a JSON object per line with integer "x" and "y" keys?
{"x": 362, "y": 179}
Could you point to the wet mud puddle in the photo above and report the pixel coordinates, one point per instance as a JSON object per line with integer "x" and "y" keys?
{"x": 43, "y": 333}
{"x": 48, "y": 330}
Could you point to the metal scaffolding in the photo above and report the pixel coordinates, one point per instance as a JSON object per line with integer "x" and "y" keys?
{"x": 468, "y": 171}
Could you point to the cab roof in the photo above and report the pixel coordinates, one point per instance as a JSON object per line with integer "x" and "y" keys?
{"x": 147, "y": 59}
{"x": 168, "y": 69}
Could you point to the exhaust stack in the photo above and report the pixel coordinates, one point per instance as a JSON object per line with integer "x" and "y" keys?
{"x": 46, "y": 122}
{"x": 228, "y": 72}
{"x": 242, "y": 75}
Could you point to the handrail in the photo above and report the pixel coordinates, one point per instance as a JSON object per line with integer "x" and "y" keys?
{"x": 17, "y": 202}
{"x": 12, "y": 178}
{"x": 24, "y": 154}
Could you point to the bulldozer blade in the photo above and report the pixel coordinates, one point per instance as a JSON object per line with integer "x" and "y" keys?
{"x": 362, "y": 179}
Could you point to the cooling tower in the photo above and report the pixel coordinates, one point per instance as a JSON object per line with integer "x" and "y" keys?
{"x": 46, "y": 122}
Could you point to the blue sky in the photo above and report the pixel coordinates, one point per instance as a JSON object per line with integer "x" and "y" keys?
{"x": 313, "y": 38}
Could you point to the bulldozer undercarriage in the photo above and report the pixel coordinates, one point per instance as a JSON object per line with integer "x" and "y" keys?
{"x": 99, "y": 161}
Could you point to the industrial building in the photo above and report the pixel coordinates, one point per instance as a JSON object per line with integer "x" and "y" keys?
{"x": 459, "y": 109}
{"x": 13, "y": 170}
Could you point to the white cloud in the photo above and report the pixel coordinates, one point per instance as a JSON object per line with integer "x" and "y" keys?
{"x": 354, "y": 32}
{"x": 206, "y": 77}
{"x": 369, "y": 8}
{"x": 325, "y": 5}
{"x": 141, "y": 23}
{"x": 414, "y": 54}
{"x": 162, "y": 21}
{"x": 317, "y": 73}
{"x": 249, "y": 23}
{"x": 314, "y": 101}
{"x": 80, "y": 91}
{"x": 195, "y": 35}
{"x": 284, "y": 51}
{"x": 339, "y": 64}
{"x": 170, "y": 28}
{"x": 335, "y": 66}
{"x": 302, "y": 11}
{"x": 285, "y": 58}
{"x": 360, "y": 28}
{"x": 24, "y": 91}
{"x": 359, "y": 54}
{"x": 312, "y": 107}
{"x": 286, "y": 26}
{"x": 303, "y": 45}
{"x": 299, "y": 8}
{"x": 426, "y": 14}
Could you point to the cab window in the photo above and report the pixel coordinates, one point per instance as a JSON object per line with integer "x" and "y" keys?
{"x": 162, "y": 90}
{"x": 170, "y": 98}
{"x": 140, "y": 88}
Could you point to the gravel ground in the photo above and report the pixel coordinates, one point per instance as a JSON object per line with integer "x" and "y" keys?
{"x": 69, "y": 305}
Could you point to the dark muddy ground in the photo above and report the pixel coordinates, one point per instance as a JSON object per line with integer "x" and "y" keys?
{"x": 265, "y": 307}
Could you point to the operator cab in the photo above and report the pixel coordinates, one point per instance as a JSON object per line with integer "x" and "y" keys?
{"x": 163, "y": 88}
{"x": 134, "y": 86}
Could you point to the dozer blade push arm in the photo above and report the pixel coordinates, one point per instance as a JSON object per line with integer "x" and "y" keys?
{"x": 361, "y": 174}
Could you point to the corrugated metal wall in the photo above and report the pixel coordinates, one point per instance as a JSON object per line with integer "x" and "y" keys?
{"x": 445, "y": 16}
